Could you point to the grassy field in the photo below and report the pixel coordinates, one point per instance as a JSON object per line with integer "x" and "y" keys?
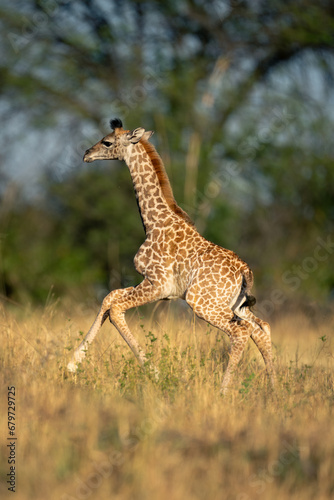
{"x": 111, "y": 432}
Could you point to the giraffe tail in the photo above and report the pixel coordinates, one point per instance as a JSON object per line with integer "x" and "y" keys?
{"x": 247, "y": 275}
{"x": 245, "y": 299}
{"x": 249, "y": 280}
{"x": 249, "y": 302}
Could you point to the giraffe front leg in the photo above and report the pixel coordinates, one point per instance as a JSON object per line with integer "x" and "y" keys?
{"x": 80, "y": 352}
{"x": 142, "y": 294}
{"x": 114, "y": 305}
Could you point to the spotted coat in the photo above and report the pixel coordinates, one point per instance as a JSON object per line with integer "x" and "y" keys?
{"x": 176, "y": 261}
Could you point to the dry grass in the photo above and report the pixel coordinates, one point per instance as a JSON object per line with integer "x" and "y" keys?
{"x": 110, "y": 431}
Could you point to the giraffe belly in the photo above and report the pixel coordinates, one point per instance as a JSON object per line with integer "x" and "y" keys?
{"x": 176, "y": 286}
{"x": 176, "y": 291}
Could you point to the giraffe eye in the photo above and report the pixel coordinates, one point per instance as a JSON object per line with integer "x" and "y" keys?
{"x": 107, "y": 143}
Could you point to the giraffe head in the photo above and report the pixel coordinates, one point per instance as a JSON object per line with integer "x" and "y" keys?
{"x": 115, "y": 146}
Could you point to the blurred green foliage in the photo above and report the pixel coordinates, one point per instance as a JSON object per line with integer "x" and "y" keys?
{"x": 239, "y": 98}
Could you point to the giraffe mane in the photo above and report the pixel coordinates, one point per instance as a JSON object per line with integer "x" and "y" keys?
{"x": 164, "y": 181}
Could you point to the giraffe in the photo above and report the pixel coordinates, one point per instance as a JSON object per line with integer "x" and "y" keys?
{"x": 176, "y": 261}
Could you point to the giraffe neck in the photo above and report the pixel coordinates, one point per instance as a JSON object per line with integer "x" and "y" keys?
{"x": 153, "y": 191}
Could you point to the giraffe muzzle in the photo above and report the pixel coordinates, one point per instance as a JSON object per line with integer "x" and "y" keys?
{"x": 87, "y": 158}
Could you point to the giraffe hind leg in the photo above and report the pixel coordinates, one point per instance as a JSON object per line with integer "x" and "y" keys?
{"x": 239, "y": 334}
{"x": 261, "y": 337}
{"x": 223, "y": 317}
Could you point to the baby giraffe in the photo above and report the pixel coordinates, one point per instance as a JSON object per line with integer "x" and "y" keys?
{"x": 176, "y": 261}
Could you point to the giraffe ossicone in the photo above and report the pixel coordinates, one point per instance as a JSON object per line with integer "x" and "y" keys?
{"x": 176, "y": 261}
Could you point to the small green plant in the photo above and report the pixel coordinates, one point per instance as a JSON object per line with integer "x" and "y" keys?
{"x": 247, "y": 383}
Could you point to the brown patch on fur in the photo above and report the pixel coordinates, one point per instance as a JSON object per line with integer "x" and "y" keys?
{"x": 164, "y": 181}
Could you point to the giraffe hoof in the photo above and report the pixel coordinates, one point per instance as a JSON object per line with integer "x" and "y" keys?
{"x": 156, "y": 374}
{"x": 72, "y": 367}
{"x": 152, "y": 370}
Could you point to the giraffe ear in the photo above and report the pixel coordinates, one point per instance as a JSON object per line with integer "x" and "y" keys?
{"x": 137, "y": 134}
{"x": 147, "y": 135}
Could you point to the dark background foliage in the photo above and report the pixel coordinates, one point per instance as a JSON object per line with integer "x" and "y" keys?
{"x": 240, "y": 96}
